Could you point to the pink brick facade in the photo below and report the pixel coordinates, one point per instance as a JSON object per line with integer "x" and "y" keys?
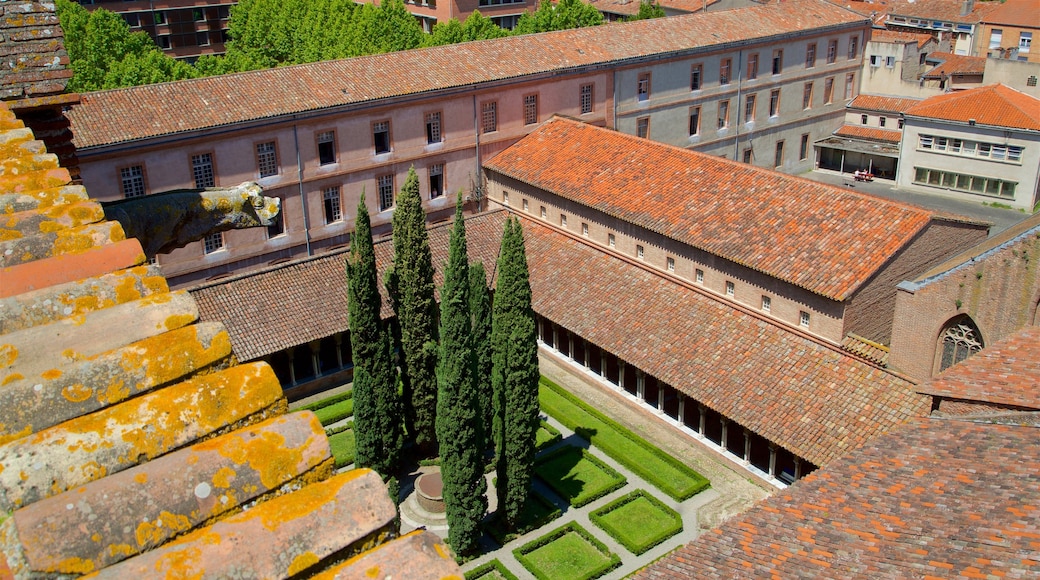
{"x": 996, "y": 284}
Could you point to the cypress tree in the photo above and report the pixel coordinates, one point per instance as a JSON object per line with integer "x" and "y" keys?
{"x": 377, "y": 407}
{"x": 480, "y": 308}
{"x": 458, "y": 423}
{"x": 411, "y": 289}
{"x": 515, "y": 374}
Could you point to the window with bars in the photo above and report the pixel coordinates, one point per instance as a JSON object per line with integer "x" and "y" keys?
{"x": 586, "y": 99}
{"x": 436, "y": 180}
{"x": 202, "y": 170}
{"x": 752, "y": 67}
{"x": 810, "y": 55}
{"x": 774, "y": 102}
{"x": 213, "y": 242}
{"x": 832, "y": 51}
{"x": 386, "y": 191}
{"x": 331, "y": 199}
{"x": 803, "y": 319}
{"x": 807, "y": 96}
{"x": 695, "y": 120}
{"x": 326, "y": 147}
{"x": 724, "y": 71}
{"x": 132, "y": 179}
{"x": 433, "y": 127}
{"x": 695, "y": 76}
{"x": 267, "y": 159}
{"x": 489, "y": 117}
{"x": 643, "y": 127}
{"x": 530, "y": 109}
{"x": 381, "y": 136}
{"x": 643, "y": 87}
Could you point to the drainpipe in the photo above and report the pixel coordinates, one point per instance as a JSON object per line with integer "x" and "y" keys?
{"x": 303, "y": 196}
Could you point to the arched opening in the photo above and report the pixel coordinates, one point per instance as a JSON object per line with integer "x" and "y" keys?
{"x": 959, "y": 339}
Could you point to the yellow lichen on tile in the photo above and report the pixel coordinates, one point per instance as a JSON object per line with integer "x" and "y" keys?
{"x": 8, "y": 354}
{"x": 302, "y": 562}
{"x": 150, "y": 534}
{"x": 77, "y": 393}
{"x": 223, "y": 477}
{"x": 76, "y": 566}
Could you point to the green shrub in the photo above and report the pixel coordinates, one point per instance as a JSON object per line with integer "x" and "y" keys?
{"x": 638, "y": 521}
{"x": 537, "y": 512}
{"x": 546, "y": 436}
{"x": 655, "y": 466}
{"x": 493, "y": 570}
{"x": 343, "y": 447}
{"x": 326, "y": 402}
{"x": 567, "y": 553}
{"x": 577, "y": 475}
{"x": 336, "y": 412}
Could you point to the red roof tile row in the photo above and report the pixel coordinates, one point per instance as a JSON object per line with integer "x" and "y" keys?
{"x": 822, "y": 238}
{"x": 898, "y": 37}
{"x": 997, "y": 105}
{"x": 942, "y": 10}
{"x": 869, "y": 133}
{"x": 123, "y": 115}
{"x": 882, "y": 104}
{"x": 955, "y": 64}
{"x": 1020, "y": 13}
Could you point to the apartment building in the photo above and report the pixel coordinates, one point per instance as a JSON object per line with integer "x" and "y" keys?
{"x": 759, "y": 84}
{"x": 958, "y": 21}
{"x": 1008, "y": 31}
{"x": 181, "y": 28}
{"x": 869, "y": 139}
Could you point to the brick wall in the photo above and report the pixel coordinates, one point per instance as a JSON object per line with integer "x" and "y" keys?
{"x": 870, "y": 311}
{"x": 999, "y": 289}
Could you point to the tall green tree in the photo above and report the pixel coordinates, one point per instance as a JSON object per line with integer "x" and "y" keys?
{"x": 480, "y": 309}
{"x": 377, "y": 406}
{"x": 647, "y": 9}
{"x": 459, "y": 429}
{"x": 515, "y": 374}
{"x": 411, "y": 289}
{"x": 476, "y": 27}
{"x": 560, "y": 16}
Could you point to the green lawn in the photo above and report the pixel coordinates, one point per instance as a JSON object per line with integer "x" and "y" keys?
{"x": 545, "y": 436}
{"x": 567, "y": 553}
{"x": 343, "y": 447}
{"x": 537, "y": 512}
{"x": 638, "y": 521}
{"x": 577, "y": 476}
{"x": 657, "y": 467}
{"x": 335, "y": 412}
{"x": 493, "y": 570}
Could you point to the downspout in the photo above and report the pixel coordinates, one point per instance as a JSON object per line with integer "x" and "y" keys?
{"x": 303, "y": 197}
{"x": 740, "y": 81}
{"x": 477, "y": 182}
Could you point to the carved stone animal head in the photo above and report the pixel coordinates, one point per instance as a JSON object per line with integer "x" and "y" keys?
{"x": 242, "y": 206}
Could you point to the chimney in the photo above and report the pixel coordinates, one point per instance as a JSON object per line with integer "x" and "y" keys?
{"x": 967, "y": 7}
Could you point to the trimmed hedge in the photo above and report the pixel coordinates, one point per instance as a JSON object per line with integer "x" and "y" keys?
{"x": 344, "y": 447}
{"x": 655, "y": 466}
{"x": 546, "y": 436}
{"x": 489, "y": 571}
{"x": 335, "y": 412}
{"x": 537, "y": 512}
{"x": 568, "y": 556}
{"x": 640, "y": 530}
{"x": 577, "y": 476}
{"x": 326, "y": 402}
{"x": 340, "y": 429}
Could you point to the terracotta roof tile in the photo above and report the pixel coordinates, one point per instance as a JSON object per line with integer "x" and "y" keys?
{"x": 1024, "y": 13}
{"x": 931, "y": 499}
{"x": 822, "y": 238}
{"x": 815, "y": 401}
{"x": 139, "y": 113}
{"x": 944, "y": 10}
{"x": 882, "y": 104}
{"x": 955, "y": 64}
{"x": 1005, "y": 373}
{"x": 869, "y": 133}
{"x": 996, "y": 105}
{"x": 899, "y": 37}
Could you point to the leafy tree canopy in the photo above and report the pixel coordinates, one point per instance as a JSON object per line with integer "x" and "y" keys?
{"x": 647, "y": 9}
{"x": 561, "y": 16}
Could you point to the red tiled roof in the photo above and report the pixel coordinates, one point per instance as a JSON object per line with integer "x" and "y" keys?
{"x": 996, "y": 105}
{"x": 899, "y": 37}
{"x": 815, "y": 401}
{"x": 882, "y": 104}
{"x": 944, "y": 10}
{"x": 312, "y": 294}
{"x": 123, "y": 115}
{"x": 869, "y": 133}
{"x": 1019, "y": 13}
{"x": 932, "y": 499}
{"x": 1005, "y": 373}
{"x": 822, "y": 238}
{"x": 955, "y": 64}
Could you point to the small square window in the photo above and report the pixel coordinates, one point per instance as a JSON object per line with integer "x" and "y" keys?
{"x": 699, "y": 276}
{"x": 202, "y": 171}
{"x": 213, "y": 242}
{"x": 530, "y": 109}
{"x": 767, "y": 303}
{"x": 695, "y": 77}
{"x": 778, "y": 61}
{"x": 331, "y": 199}
{"x": 386, "y": 192}
{"x": 730, "y": 289}
{"x": 563, "y": 219}
{"x": 505, "y": 198}
{"x": 643, "y": 127}
{"x": 133, "y": 181}
{"x": 670, "y": 264}
{"x": 489, "y": 117}
{"x": 803, "y": 319}
{"x": 586, "y": 99}
{"x": 584, "y": 229}
{"x": 643, "y": 87}
{"x": 436, "y": 180}
{"x": 381, "y": 136}
{"x": 639, "y": 252}
{"x": 326, "y": 147}
{"x": 882, "y": 121}
{"x": 526, "y": 205}
{"x": 611, "y": 241}
{"x": 267, "y": 159}
{"x": 543, "y": 212}
{"x": 433, "y": 127}
{"x": 863, "y": 119}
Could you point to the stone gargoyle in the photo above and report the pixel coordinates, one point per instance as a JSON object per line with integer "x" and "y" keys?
{"x": 165, "y": 221}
